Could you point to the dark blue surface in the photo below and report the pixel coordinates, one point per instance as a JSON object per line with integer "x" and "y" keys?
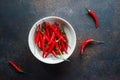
{"x": 100, "y": 62}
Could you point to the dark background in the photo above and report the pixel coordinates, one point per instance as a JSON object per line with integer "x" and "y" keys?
{"x": 99, "y": 62}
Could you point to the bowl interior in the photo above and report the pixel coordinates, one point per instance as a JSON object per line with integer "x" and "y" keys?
{"x": 70, "y": 35}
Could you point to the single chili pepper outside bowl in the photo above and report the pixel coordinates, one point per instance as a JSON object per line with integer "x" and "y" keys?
{"x": 70, "y": 33}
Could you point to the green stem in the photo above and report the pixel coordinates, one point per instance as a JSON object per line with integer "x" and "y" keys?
{"x": 69, "y": 46}
{"x": 100, "y": 42}
{"x": 61, "y": 57}
{"x": 23, "y": 72}
{"x": 87, "y": 10}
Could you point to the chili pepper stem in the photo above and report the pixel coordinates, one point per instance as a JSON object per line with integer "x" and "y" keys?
{"x": 69, "y": 46}
{"x": 100, "y": 42}
{"x": 61, "y": 57}
{"x": 87, "y": 10}
{"x": 23, "y": 72}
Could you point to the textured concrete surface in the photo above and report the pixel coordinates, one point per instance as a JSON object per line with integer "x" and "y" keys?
{"x": 100, "y": 62}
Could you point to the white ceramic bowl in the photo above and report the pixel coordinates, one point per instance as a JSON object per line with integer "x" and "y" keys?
{"x": 71, "y": 35}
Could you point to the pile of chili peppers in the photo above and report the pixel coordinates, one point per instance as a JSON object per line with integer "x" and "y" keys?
{"x": 51, "y": 39}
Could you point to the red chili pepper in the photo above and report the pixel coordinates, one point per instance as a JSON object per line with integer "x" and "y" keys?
{"x": 43, "y": 25}
{"x": 94, "y": 17}
{"x": 56, "y": 25}
{"x": 36, "y": 38}
{"x": 85, "y": 43}
{"x": 54, "y": 53}
{"x": 39, "y": 44}
{"x": 37, "y": 34}
{"x": 52, "y": 38}
{"x": 58, "y": 48}
{"x": 43, "y": 46}
{"x": 47, "y": 38}
{"x": 18, "y": 69}
{"x": 64, "y": 47}
{"x": 51, "y": 47}
{"x": 66, "y": 41}
{"x": 47, "y": 32}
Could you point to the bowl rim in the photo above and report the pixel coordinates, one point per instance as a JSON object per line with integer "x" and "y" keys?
{"x": 48, "y": 17}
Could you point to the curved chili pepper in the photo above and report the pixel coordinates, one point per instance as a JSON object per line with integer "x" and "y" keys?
{"x": 18, "y": 69}
{"x": 94, "y": 16}
{"x": 85, "y": 43}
